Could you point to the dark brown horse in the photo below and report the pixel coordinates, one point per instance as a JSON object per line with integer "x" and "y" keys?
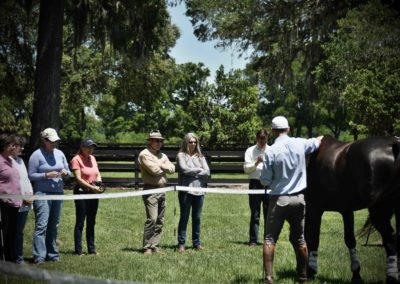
{"x": 344, "y": 177}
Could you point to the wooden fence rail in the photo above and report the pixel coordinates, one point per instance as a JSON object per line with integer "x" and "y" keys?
{"x": 115, "y": 159}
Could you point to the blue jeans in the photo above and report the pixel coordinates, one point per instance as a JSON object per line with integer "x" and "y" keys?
{"x": 19, "y": 236}
{"x": 47, "y": 218}
{"x": 186, "y": 201}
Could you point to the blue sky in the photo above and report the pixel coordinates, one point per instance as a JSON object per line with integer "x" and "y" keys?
{"x": 189, "y": 49}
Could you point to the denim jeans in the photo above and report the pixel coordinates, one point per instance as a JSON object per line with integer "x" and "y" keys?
{"x": 19, "y": 236}
{"x": 255, "y": 201}
{"x": 85, "y": 209}
{"x": 47, "y": 218}
{"x": 155, "y": 210}
{"x": 187, "y": 201}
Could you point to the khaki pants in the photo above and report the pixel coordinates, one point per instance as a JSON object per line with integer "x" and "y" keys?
{"x": 155, "y": 209}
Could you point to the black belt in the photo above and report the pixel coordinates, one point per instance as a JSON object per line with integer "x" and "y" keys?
{"x": 294, "y": 194}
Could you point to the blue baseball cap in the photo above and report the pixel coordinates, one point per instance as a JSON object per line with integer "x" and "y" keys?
{"x": 88, "y": 143}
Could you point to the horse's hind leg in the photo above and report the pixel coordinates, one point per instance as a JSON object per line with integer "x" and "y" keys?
{"x": 312, "y": 234}
{"x": 350, "y": 241}
{"x": 380, "y": 218}
{"x": 397, "y": 218}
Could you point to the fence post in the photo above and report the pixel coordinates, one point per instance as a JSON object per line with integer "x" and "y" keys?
{"x": 136, "y": 168}
{"x": 208, "y": 159}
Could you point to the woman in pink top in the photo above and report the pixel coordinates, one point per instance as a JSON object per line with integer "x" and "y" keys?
{"x": 9, "y": 184}
{"x": 88, "y": 179}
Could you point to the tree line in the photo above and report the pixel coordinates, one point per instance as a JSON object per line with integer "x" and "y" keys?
{"x": 103, "y": 69}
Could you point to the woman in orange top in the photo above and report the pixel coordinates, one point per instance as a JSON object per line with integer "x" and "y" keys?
{"x": 88, "y": 179}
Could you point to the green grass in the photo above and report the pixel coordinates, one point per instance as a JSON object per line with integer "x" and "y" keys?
{"x": 226, "y": 258}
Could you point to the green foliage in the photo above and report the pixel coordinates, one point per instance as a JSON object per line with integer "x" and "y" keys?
{"x": 191, "y": 102}
{"x": 361, "y": 73}
{"x": 118, "y": 81}
{"x": 235, "y": 109}
{"x": 85, "y": 80}
{"x": 17, "y": 48}
{"x": 285, "y": 38}
{"x": 133, "y": 28}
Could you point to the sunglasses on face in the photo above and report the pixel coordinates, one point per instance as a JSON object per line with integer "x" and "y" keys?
{"x": 47, "y": 140}
{"x": 192, "y": 142}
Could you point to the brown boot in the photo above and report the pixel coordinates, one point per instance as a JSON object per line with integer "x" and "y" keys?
{"x": 268, "y": 258}
{"x": 302, "y": 260}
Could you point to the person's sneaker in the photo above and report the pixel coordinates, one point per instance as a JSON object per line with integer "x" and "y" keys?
{"x": 181, "y": 248}
{"x": 93, "y": 253}
{"x": 38, "y": 261}
{"x": 147, "y": 251}
{"x": 252, "y": 245}
{"x": 199, "y": 247}
{"x": 156, "y": 250}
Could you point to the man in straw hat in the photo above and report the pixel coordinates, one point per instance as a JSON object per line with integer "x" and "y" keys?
{"x": 154, "y": 166}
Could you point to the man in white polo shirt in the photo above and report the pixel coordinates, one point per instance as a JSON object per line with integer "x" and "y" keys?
{"x": 253, "y": 158}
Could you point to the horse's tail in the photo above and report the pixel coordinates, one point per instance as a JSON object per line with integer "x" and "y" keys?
{"x": 367, "y": 228}
{"x": 394, "y": 187}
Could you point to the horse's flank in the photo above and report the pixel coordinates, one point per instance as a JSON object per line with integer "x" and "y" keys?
{"x": 354, "y": 175}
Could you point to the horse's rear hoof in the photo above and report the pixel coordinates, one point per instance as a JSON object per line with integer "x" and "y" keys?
{"x": 311, "y": 273}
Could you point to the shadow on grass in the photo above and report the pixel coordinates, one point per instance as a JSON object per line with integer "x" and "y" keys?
{"x": 244, "y": 279}
{"x": 244, "y": 243}
{"x": 290, "y": 276}
{"x": 140, "y": 249}
{"x": 341, "y": 281}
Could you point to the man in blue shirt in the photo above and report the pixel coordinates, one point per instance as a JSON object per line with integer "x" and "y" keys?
{"x": 284, "y": 172}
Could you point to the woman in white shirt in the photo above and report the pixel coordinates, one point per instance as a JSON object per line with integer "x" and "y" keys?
{"x": 193, "y": 171}
{"x": 26, "y": 189}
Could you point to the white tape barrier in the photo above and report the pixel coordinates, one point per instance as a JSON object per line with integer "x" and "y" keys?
{"x": 223, "y": 190}
{"x": 131, "y": 193}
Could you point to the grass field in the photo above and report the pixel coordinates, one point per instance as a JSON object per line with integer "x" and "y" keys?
{"x": 225, "y": 259}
